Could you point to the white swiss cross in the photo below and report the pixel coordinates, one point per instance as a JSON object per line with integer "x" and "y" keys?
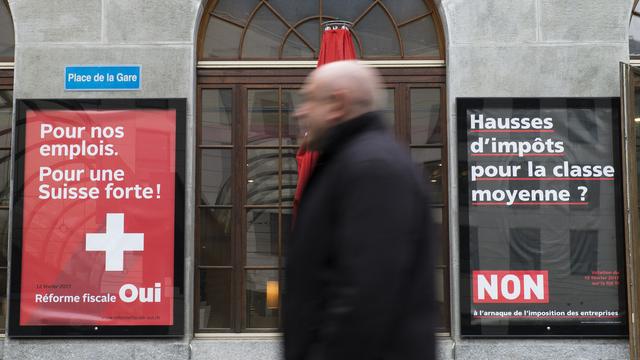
{"x": 114, "y": 242}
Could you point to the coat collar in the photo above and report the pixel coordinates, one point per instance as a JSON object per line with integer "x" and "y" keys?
{"x": 339, "y": 135}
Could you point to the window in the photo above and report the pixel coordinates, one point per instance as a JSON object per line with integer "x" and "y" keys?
{"x": 281, "y": 29}
{"x": 6, "y": 110}
{"x": 247, "y": 141}
{"x": 6, "y": 107}
{"x": 7, "y": 44}
{"x": 634, "y": 31}
{"x": 248, "y": 176}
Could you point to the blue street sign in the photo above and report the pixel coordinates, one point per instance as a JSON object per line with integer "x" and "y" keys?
{"x": 101, "y": 78}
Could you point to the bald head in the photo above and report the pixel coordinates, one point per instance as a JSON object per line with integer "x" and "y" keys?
{"x": 335, "y": 93}
{"x": 359, "y": 86}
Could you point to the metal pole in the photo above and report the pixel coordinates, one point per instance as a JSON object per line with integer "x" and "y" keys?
{"x": 337, "y": 24}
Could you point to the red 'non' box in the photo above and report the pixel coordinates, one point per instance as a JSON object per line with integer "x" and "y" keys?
{"x": 511, "y": 286}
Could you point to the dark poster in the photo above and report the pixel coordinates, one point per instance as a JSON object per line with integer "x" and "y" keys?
{"x": 541, "y": 241}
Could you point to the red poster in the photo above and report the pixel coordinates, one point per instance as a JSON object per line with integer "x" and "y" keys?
{"x": 98, "y": 218}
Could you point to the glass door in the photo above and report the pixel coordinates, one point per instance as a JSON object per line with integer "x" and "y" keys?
{"x": 246, "y": 180}
{"x": 630, "y": 110}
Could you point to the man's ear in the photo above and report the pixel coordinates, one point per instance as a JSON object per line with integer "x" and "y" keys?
{"x": 340, "y": 101}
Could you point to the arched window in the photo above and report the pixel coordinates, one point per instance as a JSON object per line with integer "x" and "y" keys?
{"x": 281, "y": 29}
{"x": 7, "y": 43}
{"x": 247, "y": 137}
{"x": 6, "y": 110}
{"x": 634, "y": 31}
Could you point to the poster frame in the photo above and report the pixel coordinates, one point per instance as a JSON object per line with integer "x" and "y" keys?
{"x": 14, "y": 329}
{"x": 553, "y": 329}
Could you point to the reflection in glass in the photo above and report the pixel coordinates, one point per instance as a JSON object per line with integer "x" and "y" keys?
{"x": 6, "y": 108}
{"x": 388, "y": 111}
{"x": 289, "y": 176}
{"x": 261, "y": 308}
{"x": 215, "y": 237}
{"x": 287, "y": 225}
{"x": 425, "y": 116}
{"x": 5, "y": 175}
{"x": 7, "y": 42}
{"x": 634, "y": 35}
{"x": 430, "y": 164}
{"x": 311, "y": 32}
{"x": 221, "y": 40}
{"x": 264, "y": 35}
{"x": 214, "y": 308}
{"x": 262, "y": 237}
{"x": 636, "y": 94}
{"x": 583, "y": 126}
{"x": 295, "y": 47}
{"x": 235, "y": 10}
{"x": 290, "y": 129}
{"x": 216, "y": 116}
{"x": 420, "y": 38}
{"x": 263, "y": 117}
{"x": 215, "y": 177}
{"x": 4, "y": 237}
{"x": 638, "y": 169}
{"x": 262, "y": 176}
{"x": 525, "y": 249}
{"x": 347, "y": 10}
{"x": 442, "y": 302}
{"x": 584, "y": 251}
{"x": 357, "y": 45}
{"x": 405, "y": 10}
{"x": 294, "y": 11}
{"x": 436, "y": 217}
{"x": 377, "y": 34}
{"x": 3, "y": 299}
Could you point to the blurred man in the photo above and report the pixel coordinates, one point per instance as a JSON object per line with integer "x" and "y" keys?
{"x": 359, "y": 276}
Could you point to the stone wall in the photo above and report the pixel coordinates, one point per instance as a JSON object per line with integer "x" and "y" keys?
{"x": 532, "y": 48}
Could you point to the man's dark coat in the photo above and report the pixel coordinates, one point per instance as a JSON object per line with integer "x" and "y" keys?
{"x": 359, "y": 274}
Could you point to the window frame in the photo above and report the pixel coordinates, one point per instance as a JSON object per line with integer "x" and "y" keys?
{"x": 6, "y": 83}
{"x": 240, "y": 81}
{"x": 8, "y": 59}
{"x": 634, "y": 14}
{"x": 432, "y": 11}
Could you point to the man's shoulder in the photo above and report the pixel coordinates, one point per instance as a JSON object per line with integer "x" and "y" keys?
{"x": 376, "y": 148}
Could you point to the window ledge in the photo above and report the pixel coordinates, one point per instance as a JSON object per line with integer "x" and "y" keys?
{"x": 7, "y": 65}
{"x": 303, "y": 64}
{"x": 238, "y": 336}
{"x": 266, "y": 336}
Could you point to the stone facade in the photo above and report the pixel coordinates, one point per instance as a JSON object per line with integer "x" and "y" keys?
{"x": 527, "y": 48}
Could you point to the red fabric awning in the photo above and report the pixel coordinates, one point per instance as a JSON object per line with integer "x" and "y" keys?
{"x": 336, "y": 45}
